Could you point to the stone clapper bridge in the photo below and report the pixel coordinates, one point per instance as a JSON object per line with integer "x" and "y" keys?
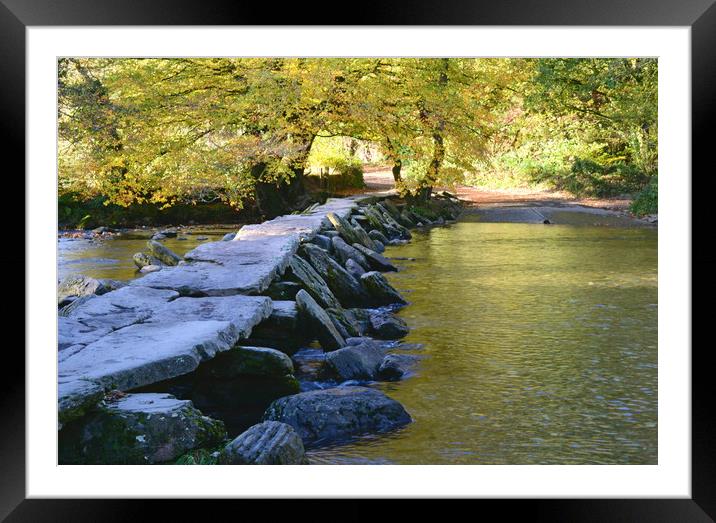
{"x": 167, "y": 323}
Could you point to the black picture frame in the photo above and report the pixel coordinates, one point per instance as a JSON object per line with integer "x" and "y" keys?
{"x": 700, "y": 15}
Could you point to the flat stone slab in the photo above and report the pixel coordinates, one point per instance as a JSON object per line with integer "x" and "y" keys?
{"x": 172, "y": 341}
{"x": 227, "y": 268}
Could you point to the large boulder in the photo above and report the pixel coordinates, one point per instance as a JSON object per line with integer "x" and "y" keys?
{"x": 78, "y": 285}
{"x": 344, "y": 322}
{"x": 363, "y": 237}
{"x": 322, "y": 417}
{"x": 380, "y": 291}
{"x": 355, "y": 362}
{"x": 138, "y": 429}
{"x": 268, "y": 443}
{"x": 345, "y": 252}
{"x": 252, "y": 361}
{"x": 312, "y": 282}
{"x": 385, "y": 325}
{"x": 344, "y": 286}
{"x": 163, "y": 253}
{"x": 376, "y": 261}
{"x": 319, "y": 321}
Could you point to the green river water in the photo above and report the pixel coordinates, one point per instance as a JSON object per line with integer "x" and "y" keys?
{"x": 539, "y": 343}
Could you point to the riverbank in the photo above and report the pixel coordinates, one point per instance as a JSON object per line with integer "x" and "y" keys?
{"x": 275, "y": 287}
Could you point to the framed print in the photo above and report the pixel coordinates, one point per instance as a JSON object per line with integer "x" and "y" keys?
{"x": 419, "y": 257}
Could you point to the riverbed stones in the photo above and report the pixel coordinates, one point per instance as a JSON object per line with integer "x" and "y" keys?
{"x": 319, "y": 321}
{"x": 267, "y": 443}
{"x": 345, "y": 252}
{"x": 312, "y": 282}
{"x": 375, "y": 260}
{"x": 385, "y": 325}
{"x": 355, "y": 362}
{"x": 163, "y": 253}
{"x": 145, "y": 429}
{"x": 344, "y": 286}
{"x": 380, "y": 291}
{"x": 328, "y": 416}
{"x": 78, "y": 285}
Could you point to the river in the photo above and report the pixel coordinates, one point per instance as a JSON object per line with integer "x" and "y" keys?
{"x": 537, "y": 343}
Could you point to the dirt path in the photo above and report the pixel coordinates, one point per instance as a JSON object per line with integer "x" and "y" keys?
{"x": 382, "y": 180}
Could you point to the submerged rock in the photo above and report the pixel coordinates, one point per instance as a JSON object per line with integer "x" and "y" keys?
{"x": 381, "y": 292}
{"x": 141, "y": 428}
{"x": 385, "y": 325}
{"x": 268, "y": 443}
{"x": 326, "y": 416}
{"x": 355, "y": 362}
{"x": 78, "y": 286}
{"x": 319, "y": 322}
{"x": 164, "y": 254}
{"x": 395, "y": 366}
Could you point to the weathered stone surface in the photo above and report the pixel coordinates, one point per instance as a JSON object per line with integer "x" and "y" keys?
{"x": 344, "y": 228}
{"x": 145, "y": 429}
{"x": 390, "y": 208}
{"x": 172, "y": 339}
{"x": 345, "y": 252}
{"x": 355, "y": 362}
{"x": 252, "y": 361}
{"x": 150, "y": 268}
{"x": 163, "y": 253}
{"x": 90, "y": 319}
{"x": 344, "y": 286}
{"x": 379, "y": 246}
{"x": 344, "y": 322}
{"x": 78, "y": 286}
{"x": 73, "y": 303}
{"x": 380, "y": 291}
{"x": 314, "y": 284}
{"x": 283, "y": 290}
{"x": 363, "y": 237}
{"x": 385, "y": 325}
{"x": 375, "y": 218}
{"x": 354, "y": 269}
{"x": 402, "y": 231}
{"x": 228, "y": 236}
{"x": 76, "y": 398}
{"x": 324, "y": 242}
{"x": 268, "y": 443}
{"x": 226, "y": 268}
{"x": 327, "y": 416}
{"x": 375, "y": 260}
{"x": 362, "y": 318}
{"x": 405, "y": 220}
{"x": 319, "y": 321}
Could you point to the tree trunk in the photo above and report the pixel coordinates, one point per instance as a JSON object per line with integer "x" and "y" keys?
{"x": 397, "y": 165}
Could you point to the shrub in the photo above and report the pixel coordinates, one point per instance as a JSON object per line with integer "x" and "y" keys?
{"x": 647, "y": 201}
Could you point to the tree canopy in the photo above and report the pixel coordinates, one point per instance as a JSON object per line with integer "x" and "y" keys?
{"x": 236, "y": 129}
